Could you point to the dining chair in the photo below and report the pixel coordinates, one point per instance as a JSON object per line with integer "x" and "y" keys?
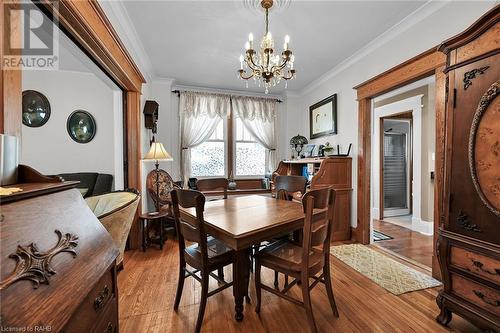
{"x": 205, "y": 256}
{"x": 213, "y": 184}
{"x": 287, "y": 186}
{"x": 290, "y": 188}
{"x": 306, "y": 261}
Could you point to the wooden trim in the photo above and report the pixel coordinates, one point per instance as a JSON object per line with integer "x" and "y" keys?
{"x": 440, "y": 103}
{"x": 10, "y": 81}
{"x": 364, "y": 169}
{"x": 428, "y": 63}
{"x": 86, "y": 22}
{"x": 381, "y": 169}
{"x": 230, "y": 144}
{"x": 412, "y": 70}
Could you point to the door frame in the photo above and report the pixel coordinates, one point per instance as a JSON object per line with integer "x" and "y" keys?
{"x": 413, "y": 104}
{"x": 409, "y": 148}
{"x": 428, "y": 63}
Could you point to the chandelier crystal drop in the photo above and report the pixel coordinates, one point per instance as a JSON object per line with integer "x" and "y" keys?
{"x": 264, "y": 65}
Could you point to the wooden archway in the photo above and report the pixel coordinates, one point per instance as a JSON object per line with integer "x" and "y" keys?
{"x": 429, "y": 63}
{"x": 86, "y": 23}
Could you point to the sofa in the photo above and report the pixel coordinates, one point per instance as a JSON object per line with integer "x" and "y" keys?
{"x": 91, "y": 183}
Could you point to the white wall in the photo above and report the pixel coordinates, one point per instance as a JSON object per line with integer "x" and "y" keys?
{"x": 421, "y": 32}
{"x": 49, "y": 148}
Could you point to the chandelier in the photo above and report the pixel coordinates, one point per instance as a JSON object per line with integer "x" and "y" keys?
{"x": 264, "y": 65}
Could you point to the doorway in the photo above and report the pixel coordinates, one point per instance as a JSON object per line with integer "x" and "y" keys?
{"x": 396, "y": 166}
{"x": 402, "y": 188}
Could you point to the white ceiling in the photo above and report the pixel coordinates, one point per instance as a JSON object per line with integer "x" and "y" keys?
{"x": 198, "y": 43}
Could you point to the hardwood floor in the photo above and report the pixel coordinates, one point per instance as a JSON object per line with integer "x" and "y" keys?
{"x": 407, "y": 243}
{"x": 147, "y": 289}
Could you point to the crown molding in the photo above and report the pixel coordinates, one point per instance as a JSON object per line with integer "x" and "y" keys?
{"x": 163, "y": 80}
{"x": 410, "y": 20}
{"x": 225, "y": 91}
{"x": 119, "y": 17}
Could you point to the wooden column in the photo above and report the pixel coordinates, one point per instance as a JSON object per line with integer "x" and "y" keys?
{"x": 134, "y": 155}
{"x": 362, "y": 231}
{"x": 10, "y": 80}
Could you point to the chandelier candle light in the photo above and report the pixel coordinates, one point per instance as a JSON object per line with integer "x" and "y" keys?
{"x": 264, "y": 64}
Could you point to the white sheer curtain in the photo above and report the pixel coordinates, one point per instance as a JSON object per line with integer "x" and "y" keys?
{"x": 199, "y": 114}
{"x": 258, "y": 115}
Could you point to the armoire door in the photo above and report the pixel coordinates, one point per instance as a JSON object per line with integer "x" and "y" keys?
{"x": 473, "y": 150}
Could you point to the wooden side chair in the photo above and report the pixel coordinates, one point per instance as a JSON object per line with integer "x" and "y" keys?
{"x": 306, "y": 261}
{"x": 206, "y": 256}
{"x": 290, "y": 188}
{"x": 212, "y": 185}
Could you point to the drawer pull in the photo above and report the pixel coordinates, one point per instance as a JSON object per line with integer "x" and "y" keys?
{"x": 480, "y": 265}
{"x": 109, "y": 329}
{"x": 101, "y": 298}
{"x": 486, "y": 299}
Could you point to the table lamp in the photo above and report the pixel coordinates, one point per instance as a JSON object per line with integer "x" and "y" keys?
{"x": 157, "y": 153}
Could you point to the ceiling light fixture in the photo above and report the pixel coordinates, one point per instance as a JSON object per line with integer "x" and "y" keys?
{"x": 265, "y": 65}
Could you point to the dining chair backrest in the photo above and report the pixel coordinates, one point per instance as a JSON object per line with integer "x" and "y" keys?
{"x": 285, "y": 186}
{"x": 192, "y": 230}
{"x": 317, "y": 228}
{"x": 213, "y": 184}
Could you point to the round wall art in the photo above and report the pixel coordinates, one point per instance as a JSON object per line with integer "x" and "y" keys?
{"x": 81, "y": 126}
{"x": 36, "y": 108}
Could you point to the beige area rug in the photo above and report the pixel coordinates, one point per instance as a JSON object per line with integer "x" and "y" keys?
{"x": 384, "y": 271}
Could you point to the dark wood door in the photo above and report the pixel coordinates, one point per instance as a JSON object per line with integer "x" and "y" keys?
{"x": 474, "y": 164}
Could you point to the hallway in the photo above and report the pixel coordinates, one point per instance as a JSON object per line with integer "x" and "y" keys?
{"x": 407, "y": 243}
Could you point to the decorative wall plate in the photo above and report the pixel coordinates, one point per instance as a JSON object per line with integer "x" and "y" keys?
{"x": 36, "y": 108}
{"x": 484, "y": 149}
{"x": 81, "y": 126}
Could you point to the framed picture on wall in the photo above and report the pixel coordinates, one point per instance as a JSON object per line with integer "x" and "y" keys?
{"x": 323, "y": 117}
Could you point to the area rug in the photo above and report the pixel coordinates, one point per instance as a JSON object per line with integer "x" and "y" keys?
{"x": 384, "y": 271}
{"x": 380, "y": 236}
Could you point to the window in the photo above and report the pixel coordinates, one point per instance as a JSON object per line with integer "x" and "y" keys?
{"x": 250, "y": 156}
{"x": 209, "y": 158}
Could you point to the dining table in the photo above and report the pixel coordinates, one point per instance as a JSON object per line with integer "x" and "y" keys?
{"x": 241, "y": 222}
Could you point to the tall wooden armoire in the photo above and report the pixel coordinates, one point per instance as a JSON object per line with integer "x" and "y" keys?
{"x": 469, "y": 238}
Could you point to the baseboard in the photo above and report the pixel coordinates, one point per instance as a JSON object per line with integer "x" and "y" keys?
{"x": 422, "y": 226}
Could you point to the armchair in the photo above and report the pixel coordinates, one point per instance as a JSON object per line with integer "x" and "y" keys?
{"x": 116, "y": 211}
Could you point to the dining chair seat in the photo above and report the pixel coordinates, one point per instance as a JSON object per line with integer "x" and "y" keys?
{"x": 286, "y": 256}
{"x": 218, "y": 254}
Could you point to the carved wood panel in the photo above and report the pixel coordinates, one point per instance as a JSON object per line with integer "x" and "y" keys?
{"x": 484, "y": 149}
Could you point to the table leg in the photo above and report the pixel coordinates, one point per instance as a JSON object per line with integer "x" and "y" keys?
{"x": 161, "y": 233}
{"x": 241, "y": 276}
{"x": 143, "y": 234}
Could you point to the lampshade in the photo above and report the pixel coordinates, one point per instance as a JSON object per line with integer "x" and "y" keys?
{"x": 158, "y": 153}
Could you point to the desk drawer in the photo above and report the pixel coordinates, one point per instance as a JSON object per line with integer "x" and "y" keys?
{"x": 92, "y": 308}
{"x": 482, "y": 296}
{"x": 478, "y": 264}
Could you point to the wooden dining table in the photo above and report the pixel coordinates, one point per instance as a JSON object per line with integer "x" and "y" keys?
{"x": 243, "y": 221}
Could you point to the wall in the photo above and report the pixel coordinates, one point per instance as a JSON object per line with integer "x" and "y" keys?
{"x": 419, "y": 33}
{"x": 49, "y": 149}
